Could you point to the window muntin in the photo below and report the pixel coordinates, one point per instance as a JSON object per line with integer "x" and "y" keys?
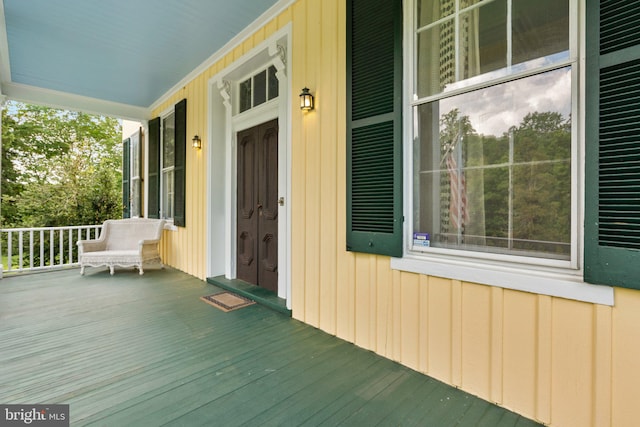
{"x": 478, "y": 42}
{"x": 493, "y": 167}
{"x": 168, "y": 165}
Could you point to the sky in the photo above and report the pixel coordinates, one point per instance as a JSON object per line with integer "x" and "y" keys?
{"x": 495, "y": 109}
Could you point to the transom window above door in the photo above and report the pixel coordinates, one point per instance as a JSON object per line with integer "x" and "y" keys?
{"x": 257, "y": 89}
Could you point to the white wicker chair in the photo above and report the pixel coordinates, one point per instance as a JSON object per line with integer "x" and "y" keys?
{"x": 123, "y": 243}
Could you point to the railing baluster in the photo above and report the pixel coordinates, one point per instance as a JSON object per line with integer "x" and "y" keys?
{"x": 41, "y": 248}
{"x": 9, "y": 250}
{"x": 52, "y": 244}
{"x": 61, "y": 246}
{"x": 31, "y": 249}
{"x": 20, "y": 250}
{"x": 70, "y": 246}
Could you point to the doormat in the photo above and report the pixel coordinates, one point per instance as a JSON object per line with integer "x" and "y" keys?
{"x": 226, "y": 301}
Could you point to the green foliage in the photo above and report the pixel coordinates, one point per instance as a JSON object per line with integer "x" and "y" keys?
{"x": 517, "y": 185}
{"x": 59, "y": 167}
{"x": 542, "y": 187}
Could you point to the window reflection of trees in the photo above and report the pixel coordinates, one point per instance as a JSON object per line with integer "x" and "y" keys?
{"x": 492, "y": 153}
{"x": 511, "y": 191}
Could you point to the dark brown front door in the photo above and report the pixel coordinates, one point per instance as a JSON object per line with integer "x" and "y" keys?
{"x": 258, "y": 205}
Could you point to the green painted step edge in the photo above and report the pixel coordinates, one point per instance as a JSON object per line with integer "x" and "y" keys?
{"x": 253, "y": 292}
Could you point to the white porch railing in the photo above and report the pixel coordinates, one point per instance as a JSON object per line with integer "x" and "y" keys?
{"x": 42, "y": 248}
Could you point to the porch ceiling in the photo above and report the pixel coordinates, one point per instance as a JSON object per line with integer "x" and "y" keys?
{"x": 127, "y": 52}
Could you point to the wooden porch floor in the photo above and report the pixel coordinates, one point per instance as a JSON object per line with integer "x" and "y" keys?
{"x": 144, "y": 350}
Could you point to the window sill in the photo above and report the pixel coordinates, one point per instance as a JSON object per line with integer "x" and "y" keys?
{"x": 508, "y": 277}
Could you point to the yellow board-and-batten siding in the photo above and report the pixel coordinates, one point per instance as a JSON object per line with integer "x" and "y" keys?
{"x": 562, "y": 362}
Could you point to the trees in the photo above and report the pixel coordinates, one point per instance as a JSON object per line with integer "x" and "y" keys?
{"x": 529, "y": 197}
{"x": 59, "y": 167}
{"x": 511, "y": 191}
{"x": 542, "y": 182}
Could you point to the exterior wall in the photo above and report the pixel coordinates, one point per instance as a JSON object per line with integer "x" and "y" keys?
{"x": 185, "y": 248}
{"x": 562, "y": 362}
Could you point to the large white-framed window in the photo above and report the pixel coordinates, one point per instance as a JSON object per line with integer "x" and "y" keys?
{"x": 167, "y": 160}
{"x": 493, "y": 143}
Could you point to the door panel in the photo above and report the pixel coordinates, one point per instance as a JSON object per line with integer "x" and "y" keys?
{"x": 258, "y": 205}
{"x": 247, "y": 216}
{"x": 268, "y": 199}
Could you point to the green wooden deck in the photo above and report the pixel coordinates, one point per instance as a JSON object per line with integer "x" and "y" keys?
{"x": 144, "y": 351}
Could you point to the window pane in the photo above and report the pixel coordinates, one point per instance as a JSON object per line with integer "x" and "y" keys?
{"x": 482, "y": 48}
{"x": 540, "y": 29}
{"x": 494, "y": 168}
{"x": 483, "y": 39}
{"x": 168, "y": 141}
{"x": 456, "y": 53}
{"x": 135, "y": 155}
{"x": 245, "y": 95}
{"x": 431, "y": 10}
{"x": 260, "y": 88}
{"x": 436, "y": 58}
{"x": 168, "y": 192}
{"x": 273, "y": 83}
{"x": 135, "y": 197}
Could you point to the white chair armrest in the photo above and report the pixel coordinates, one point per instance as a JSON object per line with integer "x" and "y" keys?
{"x": 91, "y": 245}
{"x": 148, "y": 242}
{"x": 148, "y": 247}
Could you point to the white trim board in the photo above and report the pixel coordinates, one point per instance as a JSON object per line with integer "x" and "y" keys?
{"x": 68, "y": 101}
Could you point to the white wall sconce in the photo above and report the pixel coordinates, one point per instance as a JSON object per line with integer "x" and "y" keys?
{"x": 306, "y": 100}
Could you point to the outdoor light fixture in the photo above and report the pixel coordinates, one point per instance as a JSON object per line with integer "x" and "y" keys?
{"x": 196, "y": 142}
{"x": 306, "y": 100}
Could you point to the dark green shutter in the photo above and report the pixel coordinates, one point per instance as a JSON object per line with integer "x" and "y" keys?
{"x": 180, "y": 163}
{"x": 153, "y": 177}
{"x": 126, "y": 178}
{"x": 374, "y": 126}
{"x": 612, "y": 198}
